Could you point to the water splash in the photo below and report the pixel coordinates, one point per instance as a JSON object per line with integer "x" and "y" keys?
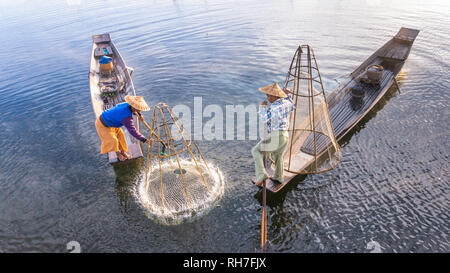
{"x": 169, "y": 206}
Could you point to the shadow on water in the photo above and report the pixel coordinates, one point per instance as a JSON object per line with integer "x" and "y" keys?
{"x": 126, "y": 176}
{"x": 280, "y": 218}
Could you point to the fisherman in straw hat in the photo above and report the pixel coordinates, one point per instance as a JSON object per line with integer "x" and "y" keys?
{"x": 277, "y": 118}
{"x": 109, "y": 122}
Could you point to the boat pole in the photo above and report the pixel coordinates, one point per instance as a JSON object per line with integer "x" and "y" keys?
{"x": 264, "y": 208}
{"x": 264, "y": 221}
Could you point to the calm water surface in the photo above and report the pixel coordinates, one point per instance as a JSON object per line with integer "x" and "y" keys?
{"x": 392, "y": 185}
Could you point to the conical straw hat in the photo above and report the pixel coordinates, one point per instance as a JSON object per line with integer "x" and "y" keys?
{"x": 137, "y": 102}
{"x": 274, "y": 90}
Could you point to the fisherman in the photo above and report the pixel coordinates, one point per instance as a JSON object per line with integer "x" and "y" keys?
{"x": 109, "y": 122}
{"x": 277, "y": 118}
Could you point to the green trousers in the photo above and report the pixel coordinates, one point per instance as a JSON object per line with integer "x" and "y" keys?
{"x": 274, "y": 145}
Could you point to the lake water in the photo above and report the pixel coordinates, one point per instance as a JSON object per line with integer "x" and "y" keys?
{"x": 392, "y": 186}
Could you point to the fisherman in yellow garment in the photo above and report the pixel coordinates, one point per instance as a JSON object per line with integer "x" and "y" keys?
{"x": 277, "y": 118}
{"x": 109, "y": 122}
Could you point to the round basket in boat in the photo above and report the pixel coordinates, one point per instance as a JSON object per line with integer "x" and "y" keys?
{"x": 358, "y": 92}
{"x": 106, "y": 64}
{"x": 374, "y": 72}
{"x": 106, "y": 67}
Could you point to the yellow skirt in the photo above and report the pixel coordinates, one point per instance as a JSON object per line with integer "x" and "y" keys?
{"x": 113, "y": 139}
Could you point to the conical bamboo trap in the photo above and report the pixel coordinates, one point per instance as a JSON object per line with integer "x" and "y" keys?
{"x": 312, "y": 146}
{"x": 178, "y": 180}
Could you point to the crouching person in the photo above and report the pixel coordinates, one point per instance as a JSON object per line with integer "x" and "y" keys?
{"x": 109, "y": 122}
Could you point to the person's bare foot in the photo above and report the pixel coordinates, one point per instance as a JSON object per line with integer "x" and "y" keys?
{"x": 126, "y": 155}
{"x": 258, "y": 183}
{"x": 120, "y": 156}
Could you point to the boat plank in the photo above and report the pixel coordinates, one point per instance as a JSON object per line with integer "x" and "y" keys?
{"x": 401, "y": 53}
{"x": 407, "y": 34}
{"x": 343, "y": 115}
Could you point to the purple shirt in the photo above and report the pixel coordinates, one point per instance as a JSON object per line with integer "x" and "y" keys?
{"x": 129, "y": 124}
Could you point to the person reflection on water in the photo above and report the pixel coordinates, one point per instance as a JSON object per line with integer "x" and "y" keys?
{"x": 277, "y": 118}
{"x": 109, "y": 122}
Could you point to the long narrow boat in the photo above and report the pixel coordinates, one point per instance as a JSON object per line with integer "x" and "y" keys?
{"x": 346, "y": 110}
{"x": 109, "y": 89}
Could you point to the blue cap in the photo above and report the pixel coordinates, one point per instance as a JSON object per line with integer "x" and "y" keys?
{"x": 105, "y": 60}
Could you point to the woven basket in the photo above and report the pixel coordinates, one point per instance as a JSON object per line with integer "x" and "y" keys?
{"x": 374, "y": 72}
{"x": 107, "y": 67}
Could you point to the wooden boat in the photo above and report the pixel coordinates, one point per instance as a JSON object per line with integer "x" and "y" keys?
{"x": 110, "y": 88}
{"x": 346, "y": 104}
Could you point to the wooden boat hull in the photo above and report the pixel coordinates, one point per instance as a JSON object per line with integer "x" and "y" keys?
{"x": 346, "y": 111}
{"x": 119, "y": 78}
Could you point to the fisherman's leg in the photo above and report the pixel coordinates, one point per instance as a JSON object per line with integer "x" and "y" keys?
{"x": 277, "y": 156}
{"x": 260, "y": 171}
{"x": 110, "y": 142}
{"x": 123, "y": 146}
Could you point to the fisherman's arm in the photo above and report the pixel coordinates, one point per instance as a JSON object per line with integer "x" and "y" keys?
{"x": 129, "y": 124}
{"x": 264, "y": 111}
{"x": 289, "y": 99}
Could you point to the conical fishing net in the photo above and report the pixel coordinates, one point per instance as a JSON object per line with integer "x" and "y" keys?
{"x": 312, "y": 146}
{"x": 178, "y": 181}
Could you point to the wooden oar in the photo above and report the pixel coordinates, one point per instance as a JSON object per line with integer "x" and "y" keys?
{"x": 264, "y": 220}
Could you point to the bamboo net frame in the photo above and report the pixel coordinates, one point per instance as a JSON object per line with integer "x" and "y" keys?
{"x": 178, "y": 152}
{"x": 310, "y": 130}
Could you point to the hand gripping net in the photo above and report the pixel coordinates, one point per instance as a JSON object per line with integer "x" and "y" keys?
{"x": 178, "y": 181}
{"x": 312, "y": 146}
